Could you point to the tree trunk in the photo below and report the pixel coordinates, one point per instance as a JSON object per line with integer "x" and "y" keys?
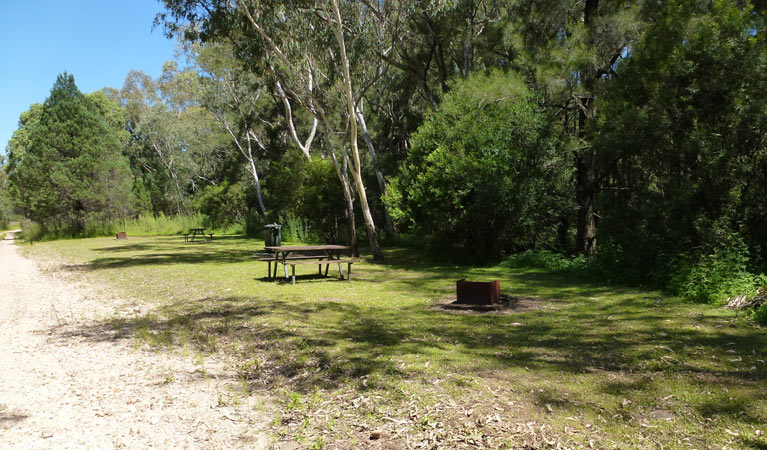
{"x": 356, "y": 167}
{"x": 585, "y": 191}
{"x": 379, "y": 175}
{"x": 351, "y": 230}
{"x": 585, "y": 165}
{"x": 172, "y": 174}
{"x": 258, "y": 186}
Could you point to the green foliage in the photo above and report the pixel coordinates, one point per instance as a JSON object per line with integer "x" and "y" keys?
{"x": 223, "y": 204}
{"x": 681, "y": 142}
{"x": 161, "y": 225}
{"x": 34, "y": 232}
{"x": 65, "y": 163}
{"x": 322, "y": 200}
{"x": 485, "y": 173}
{"x": 760, "y": 315}
{"x": 545, "y": 260}
{"x": 295, "y": 229}
{"x": 6, "y": 206}
{"x": 142, "y": 225}
{"x": 306, "y": 195}
{"x": 718, "y": 272}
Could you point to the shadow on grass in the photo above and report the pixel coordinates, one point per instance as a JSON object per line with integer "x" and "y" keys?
{"x": 330, "y": 342}
{"x": 754, "y": 444}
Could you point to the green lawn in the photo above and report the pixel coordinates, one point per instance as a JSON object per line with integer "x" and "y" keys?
{"x": 577, "y": 364}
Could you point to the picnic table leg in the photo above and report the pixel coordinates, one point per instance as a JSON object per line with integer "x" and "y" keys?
{"x": 349, "y": 271}
{"x": 341, "y": 270}
{"x": 293, "y": 270}
{"x": 269, "y": 277}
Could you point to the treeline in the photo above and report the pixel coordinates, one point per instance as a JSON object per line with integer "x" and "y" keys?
{"x": 632, "y": 133}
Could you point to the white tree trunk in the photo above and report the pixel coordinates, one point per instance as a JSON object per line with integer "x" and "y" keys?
{"x": 379, "y": 175}
{"x": 357, "y": 165}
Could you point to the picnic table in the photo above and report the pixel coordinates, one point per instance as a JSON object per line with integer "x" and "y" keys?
{"x": 194, "y": 232}
{"x": 293, "y": 255}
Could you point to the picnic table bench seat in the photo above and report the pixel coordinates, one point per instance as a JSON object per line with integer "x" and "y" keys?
{"x": 289, "y": 258}
{"x": 320, "y": 262}
{"x": 296, "y": 255}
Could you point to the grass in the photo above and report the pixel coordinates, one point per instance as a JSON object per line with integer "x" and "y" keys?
{"x": 582, "y": 364}
{"x": 13, "y": 225}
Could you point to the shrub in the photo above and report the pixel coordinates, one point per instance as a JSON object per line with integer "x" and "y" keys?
{"x": 484, "y": 176}
{"x": 543, "y": 259}
{"x": 295, "y": 229}
{"x": 718, "y": 272}
{"x": 223, "y": 205}
{"x": 760, "y": 316}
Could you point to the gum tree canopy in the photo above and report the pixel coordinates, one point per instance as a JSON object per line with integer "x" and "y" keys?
{"x": 65, "y": 162}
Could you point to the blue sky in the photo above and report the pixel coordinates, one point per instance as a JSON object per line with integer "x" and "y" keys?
{"x": 96, "y": 41}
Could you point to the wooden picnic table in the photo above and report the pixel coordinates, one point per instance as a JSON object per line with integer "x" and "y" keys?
{"x": 323, "y": 254}
{"x": 194, "y": 232}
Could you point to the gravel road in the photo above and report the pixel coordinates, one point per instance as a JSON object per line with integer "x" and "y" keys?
{"x": 68, "y": 380}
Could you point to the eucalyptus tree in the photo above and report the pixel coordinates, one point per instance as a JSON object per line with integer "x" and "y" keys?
{"x": 156, "y": 128}
{"x": 234, "y": 97}
{"x": 305, "y": 46}
{"x": 433, "y": 41}
{"x": 171, "y": 133}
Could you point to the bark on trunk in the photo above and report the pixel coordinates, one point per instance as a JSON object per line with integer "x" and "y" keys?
{"x": 254, "y": 172}
{"x": 586, "y": 194}
{"x": 586, "y": 168}
{"x": 379, "y": 175}
{"x": 356, "y": 167}
{"x": 351, "y": 230}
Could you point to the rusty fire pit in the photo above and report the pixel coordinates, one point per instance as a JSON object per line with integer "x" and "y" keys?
{"x": 122, "y": 235}
{"x": 478, "y": 292}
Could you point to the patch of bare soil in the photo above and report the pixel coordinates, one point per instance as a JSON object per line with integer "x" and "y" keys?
{"x": 67, "y": 383}
{"x": 509, "y": 304}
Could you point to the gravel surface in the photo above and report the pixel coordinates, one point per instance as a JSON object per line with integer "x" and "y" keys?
{"x": 68, "y": 380}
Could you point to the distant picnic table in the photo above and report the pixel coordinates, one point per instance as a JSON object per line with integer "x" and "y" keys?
{"x": 194, "y": 232}
{"x": 294, "y": 255}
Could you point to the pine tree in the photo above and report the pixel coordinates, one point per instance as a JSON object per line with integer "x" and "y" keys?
{"x": 66, "y": 167}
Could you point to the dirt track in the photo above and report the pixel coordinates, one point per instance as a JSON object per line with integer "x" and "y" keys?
{"x": 67, "y": 379}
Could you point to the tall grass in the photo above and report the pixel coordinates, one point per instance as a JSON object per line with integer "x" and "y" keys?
{"x": 160, "y": 225}
{"x": 144, "y": 225}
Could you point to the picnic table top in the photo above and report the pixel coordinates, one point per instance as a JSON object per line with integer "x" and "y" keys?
{"x": 306, "y": 248}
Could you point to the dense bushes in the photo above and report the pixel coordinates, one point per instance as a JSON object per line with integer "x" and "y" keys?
{"x": 545, "y": 260}
{"x": 682, "y": 154}
{"x": 485, "y": 176}
{"x": 223, "y": 205}
{"x": 720, "y": 270}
